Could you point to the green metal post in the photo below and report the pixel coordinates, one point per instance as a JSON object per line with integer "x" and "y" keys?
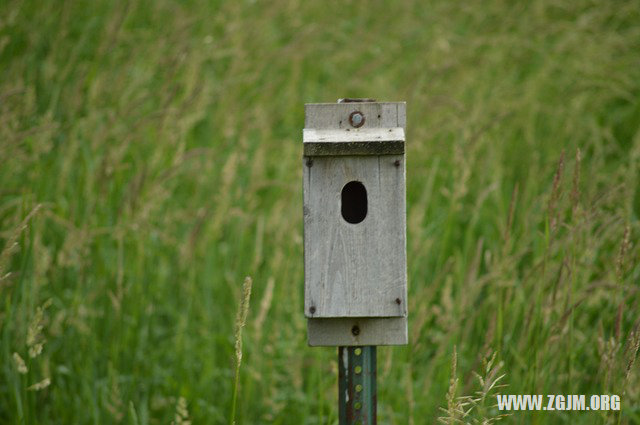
{"x": 357, "y": 396}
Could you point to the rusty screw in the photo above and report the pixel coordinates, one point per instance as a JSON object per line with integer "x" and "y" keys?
{"x": 356, "y": 119}
{"x": 312, "y": 310}
{"x": 355, "y": 330}
{"x": 396, "y": 163}
{"x": 398, "y": 301}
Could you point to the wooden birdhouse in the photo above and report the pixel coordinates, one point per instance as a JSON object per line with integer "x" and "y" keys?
{"x": 355, "y": 223}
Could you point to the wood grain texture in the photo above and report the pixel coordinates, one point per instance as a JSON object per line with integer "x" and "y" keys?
{"x": 371, "y": 331}
{"x": 336, "y": 115}
{"x": 354, "y": 270}
{"x": 312, "y": 135}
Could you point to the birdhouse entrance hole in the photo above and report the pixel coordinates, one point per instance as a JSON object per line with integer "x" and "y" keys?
{"x": 354, "y": 202}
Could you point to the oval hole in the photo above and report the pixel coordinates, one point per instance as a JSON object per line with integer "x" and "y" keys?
{"x": 354, "y": 202}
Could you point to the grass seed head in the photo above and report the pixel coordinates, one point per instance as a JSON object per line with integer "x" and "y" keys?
{"x": 35, "y": 337}
{"x": 21, "y": 367}
{"x": 38, "y": 386}
{"x": 241, "y": 318}
{"x": 634, "y": 345}
{"x": 182, "y": 413}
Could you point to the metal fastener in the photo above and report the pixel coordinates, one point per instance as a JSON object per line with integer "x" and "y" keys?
{"x": 398, "y": 301}
{"x": 309, "y": 162}
{"x": 355, "y": 330}
{"x": 312, "y": 310}
{"x": 396, "y": 163}
{"x": 356, "y": 119}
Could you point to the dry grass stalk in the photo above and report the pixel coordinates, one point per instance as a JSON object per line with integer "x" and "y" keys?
{"x": 455, "y": 409}
{"x": 241, "y": 320}
{"x": 608, "y": 350}
{"x": 265, "y": 306}
{"x": 512, "y": 207}
{"x": 491, "y": 379}
{"x": 241, "y": 317}
{"x": 633, "y": 345}
{"x": 622, "y": 253}
{"x": 468, "y": 409}
{"x": 575, "y": 187}
{"x": 619, "y": 316}
{"x": 11, "y": 245}
{"x": 556, "y": 194}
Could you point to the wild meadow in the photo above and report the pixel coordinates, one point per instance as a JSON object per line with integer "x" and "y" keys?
{"x": 150, "y": 160}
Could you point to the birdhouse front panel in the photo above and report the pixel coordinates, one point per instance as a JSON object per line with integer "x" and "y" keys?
{"x": 354, "y": 211}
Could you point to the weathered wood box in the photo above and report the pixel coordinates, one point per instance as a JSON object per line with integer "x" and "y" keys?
{"x": 355, "y": 223}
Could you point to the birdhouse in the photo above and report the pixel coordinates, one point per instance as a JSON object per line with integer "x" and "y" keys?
{"x": 355, "y": 223}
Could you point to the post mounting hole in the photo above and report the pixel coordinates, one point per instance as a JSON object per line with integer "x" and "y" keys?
{"x": 354, "y": 202}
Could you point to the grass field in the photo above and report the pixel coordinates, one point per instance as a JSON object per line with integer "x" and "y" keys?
{"x": 151, "y": 159}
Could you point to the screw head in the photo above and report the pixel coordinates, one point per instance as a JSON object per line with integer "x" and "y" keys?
{"x": 356, "y": 119}
{"x": 398, "y": 301}
{"x": 355, "y": 330}
{"x": 312, "y": 310}
{"x": 396, "y": 162}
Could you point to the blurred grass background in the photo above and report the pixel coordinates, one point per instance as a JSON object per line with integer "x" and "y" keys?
{"x": 151, "y": 159}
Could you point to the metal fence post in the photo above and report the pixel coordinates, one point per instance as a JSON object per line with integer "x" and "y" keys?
{"x": 357, "y": 395}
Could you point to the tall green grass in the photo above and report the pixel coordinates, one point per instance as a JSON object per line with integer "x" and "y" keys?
{"x": 151, "y": 159}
